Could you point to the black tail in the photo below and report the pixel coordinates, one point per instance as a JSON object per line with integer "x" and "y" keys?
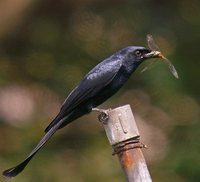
{"x": 67, "y": 119}
{"x": 51, "y": 124}
{"x": 12, "y": 172}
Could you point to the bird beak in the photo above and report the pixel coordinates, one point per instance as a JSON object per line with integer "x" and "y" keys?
{"x": 154, "y": 54}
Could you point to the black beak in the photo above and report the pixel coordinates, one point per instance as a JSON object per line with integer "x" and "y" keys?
{"x": 153, "y": 54}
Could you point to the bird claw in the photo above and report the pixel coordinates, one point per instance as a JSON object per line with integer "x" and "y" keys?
{"x": 104, "y": 116}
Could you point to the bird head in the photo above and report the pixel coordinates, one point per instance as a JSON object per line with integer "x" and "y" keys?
{"x": 135, "y": 55}
{"x": 139, "y": 54}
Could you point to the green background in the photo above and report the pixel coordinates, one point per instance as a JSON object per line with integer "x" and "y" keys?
{"x": 47, "y": 46}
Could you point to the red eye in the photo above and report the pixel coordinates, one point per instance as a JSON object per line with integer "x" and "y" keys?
{"x": 138, "y": 53}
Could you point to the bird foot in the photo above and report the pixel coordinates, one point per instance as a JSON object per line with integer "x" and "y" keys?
{"x": 103, "y": 117}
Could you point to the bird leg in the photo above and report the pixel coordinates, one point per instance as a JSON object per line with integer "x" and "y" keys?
{"x": 103, "y": 117}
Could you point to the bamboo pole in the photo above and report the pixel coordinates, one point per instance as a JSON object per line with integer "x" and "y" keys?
{"x": 123, "y": 135}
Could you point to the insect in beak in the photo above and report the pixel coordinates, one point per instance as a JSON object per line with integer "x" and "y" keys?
{"x": 156, "y": 53}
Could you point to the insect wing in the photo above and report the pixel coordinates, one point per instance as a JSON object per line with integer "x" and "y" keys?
{"x": 151, "y": 43}
{"x": 171, "y": 67}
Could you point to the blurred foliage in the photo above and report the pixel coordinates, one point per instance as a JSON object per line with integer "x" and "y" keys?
{"x": 46, "y": 47}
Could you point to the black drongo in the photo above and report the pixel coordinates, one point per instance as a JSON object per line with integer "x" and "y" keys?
{"x": 103, "y": 81}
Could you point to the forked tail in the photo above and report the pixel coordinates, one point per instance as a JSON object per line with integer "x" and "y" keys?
{"x": 12, "y": 172}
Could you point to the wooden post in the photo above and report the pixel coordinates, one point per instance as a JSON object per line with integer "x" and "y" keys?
{"x": 123, "y": 135}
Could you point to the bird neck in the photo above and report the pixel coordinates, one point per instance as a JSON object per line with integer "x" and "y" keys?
{"x": 130, "y": 67}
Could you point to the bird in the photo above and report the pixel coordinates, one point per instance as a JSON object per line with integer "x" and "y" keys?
{"x": 102, "y": 82}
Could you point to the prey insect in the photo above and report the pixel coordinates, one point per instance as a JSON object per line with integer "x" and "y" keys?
{"x": 153, "y": 46}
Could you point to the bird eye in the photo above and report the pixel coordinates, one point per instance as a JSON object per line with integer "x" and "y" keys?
{"x": 138, "y": 53}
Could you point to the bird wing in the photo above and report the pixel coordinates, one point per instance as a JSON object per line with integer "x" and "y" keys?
{"x": 92, "y": 83}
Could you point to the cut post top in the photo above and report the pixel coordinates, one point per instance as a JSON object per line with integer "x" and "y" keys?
{"x": 121, "y": 125}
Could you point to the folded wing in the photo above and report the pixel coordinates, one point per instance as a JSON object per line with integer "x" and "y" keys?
{"x": 91, "y": 85}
